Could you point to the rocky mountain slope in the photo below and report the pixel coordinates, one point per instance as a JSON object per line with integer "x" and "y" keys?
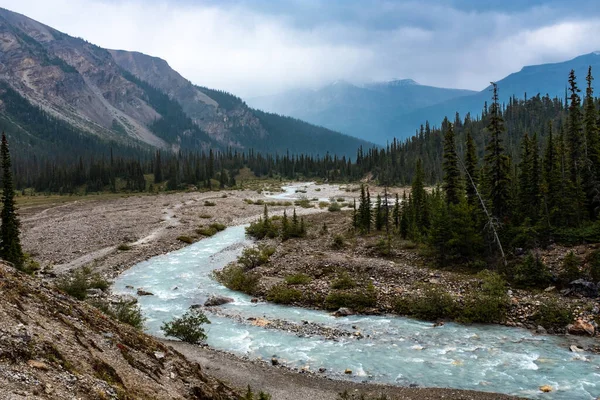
{"x": 54, "y": 347}
{"x": 125, "y": 99}
{"x": 360, "y": 111}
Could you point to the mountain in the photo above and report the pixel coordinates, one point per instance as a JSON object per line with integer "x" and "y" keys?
{"x": 361, "y": 111}
{"x": 63, "y": 96}
{"x": 382, "y": 111}
{"x": 550, "y": 79}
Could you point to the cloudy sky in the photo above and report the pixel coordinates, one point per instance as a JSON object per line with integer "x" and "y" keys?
{"x": 257, "y": 47}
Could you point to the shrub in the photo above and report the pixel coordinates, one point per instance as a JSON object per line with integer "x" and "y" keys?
{"x": 338, "y": 242}
{"x": 433, "y": 304}
{"x": 185, "y": 239}
{"x": 594, "y": 263}
{"x": 531, "y": 272}
{"x": 341, "y": 199}
{"x": 334, "y": 207}
{"x": 128, "y": 312}
{"x": 29, "y": 264}
{"x": 208, "y": 203}
{"x": 205, "y": 216}
{"x": 298, "y": 279}
{"x": 553, "y": 315}
{"x": 124, "y": 247}
{"x": 235, "y": 278}
{"x": 323, "y": 204}
{"x": 344, "y": 281}
{"x": 489, "y": 303}
{"x": 284, "y": 295}
{"x": 253, "y": 257}
{"x": 384, "y": 247}
{"x": 304, "y": 203}
{"x": 77, "y": 284}
{"x": 218, "y": 227}
{"x": 356, "y": 301}
{"x": 188, "y": 327}
{"x": 570, "y": 268}
{"x": 251, "y": 396}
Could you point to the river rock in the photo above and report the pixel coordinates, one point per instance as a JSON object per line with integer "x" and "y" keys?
{"x": 580, "y": 327}
{"x": 343, "y": 312}
{"x": 575, "y": 349}
{"x": 94, "y": 292}
{"x": 584, "y": 288}
{"x": 141, "y": 292}
{"x": 274, "y": 361}
{"x": 348, "y": 371}
{"x": 546, "y": 388}
{"x": 217, "y": 301}
{"x": 322, "y": 370}
{"x": 541, "y": 330}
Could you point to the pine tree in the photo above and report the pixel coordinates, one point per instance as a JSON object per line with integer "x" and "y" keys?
{"x": 378, "y": 214}
{"x": 404, "y": 219}
{"x": 471, "y": 167}
{"x": 10, "y": 249}
{"x": 396, "y": 213}
{"x": 591, "y": 172}
{"x": 497, "y": 162}
{"x": 158, "y": 177}
{"x": 577, "y": 150}
{"x": 285, "y": 226}
{"x": 450, "y": 165}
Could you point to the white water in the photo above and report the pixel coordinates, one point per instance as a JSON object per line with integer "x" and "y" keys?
{"x": 399, "y": 350}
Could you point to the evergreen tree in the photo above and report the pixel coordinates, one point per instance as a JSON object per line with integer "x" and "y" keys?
{"x": 591, "y": 171}
{"x": 450, "y": 165}
{"x": 471, "y": 167}
{"x": 158, "y": 177}
{"x": 10, "y": 242}
{"x": 379, "y": 217}
{"x": 404, "y": 219}
{"x": 396, "y": 213}
{"x": 497, "y": 163}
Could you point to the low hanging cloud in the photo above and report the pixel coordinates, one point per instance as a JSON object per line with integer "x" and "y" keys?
{"x": 259, "y": 47}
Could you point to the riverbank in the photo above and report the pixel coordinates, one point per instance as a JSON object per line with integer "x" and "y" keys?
{"x": 332, "y": 267}
{"x": 285, "y": 384}
{"x": 111, "y": 233}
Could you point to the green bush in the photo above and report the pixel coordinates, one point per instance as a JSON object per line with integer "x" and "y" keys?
{"x": 205, "y": 216}
{"x": 208, "y": 203}
{"x": 354, "y": 300}
{"x": 124, "y": 247}
{"x": 77, "y": 284}
{"x": 253, "y": 257}
{"x": 433, "y": 304}
{"x": 218, "y": 227}
{"x": 29, "y": 264}
{"x": 304, "y": 203}
{"x": 570, "y": 269}
{"x": 343, "y": 282}
{"x": 594, "y": 263}
{"x": 298, "y": 279}
{"x": 334, "y": 207}
{"x": 338, "y": 242}
{"x": 553, "y": 315}
{"x": 323, "y": 204}
{"x": 127, "y": 312}
{"x": 489, "y": 303}
{"x": 532, "y": 272}
{"x": 282, "y": 294}
{"x": 188, "y": 327}
{"x": 185, "y": 239}
{"x": 235, "y": 278}
{"x": 251, "y": 396}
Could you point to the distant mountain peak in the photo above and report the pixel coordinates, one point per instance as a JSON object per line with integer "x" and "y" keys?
{"x": 596, "y": 53}
{"x": 402, "y": 82}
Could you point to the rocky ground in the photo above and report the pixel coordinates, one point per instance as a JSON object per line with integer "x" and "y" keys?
{"x": 55, "y": 347}
{"x": 402, "y": 274}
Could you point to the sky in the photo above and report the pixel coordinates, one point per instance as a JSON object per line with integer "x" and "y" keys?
{"x": 259, "y": 47}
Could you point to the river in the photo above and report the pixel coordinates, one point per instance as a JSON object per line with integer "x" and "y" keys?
{"x": 399, "y": 350}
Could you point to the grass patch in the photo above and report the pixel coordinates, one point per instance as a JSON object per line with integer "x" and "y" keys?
{"x": 185, "y": 239}
{"x": 205, "y": 216}
{"x": 298, "y": 279}
{"x": 124, "y": 247}
{"x": 334, "y": 207}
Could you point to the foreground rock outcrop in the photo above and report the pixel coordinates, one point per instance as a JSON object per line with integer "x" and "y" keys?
{"x": 52, "y": 346}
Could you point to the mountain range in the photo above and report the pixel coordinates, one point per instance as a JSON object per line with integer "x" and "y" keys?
{"x": 397, "y": 108}
{"x": 61, "y": 95}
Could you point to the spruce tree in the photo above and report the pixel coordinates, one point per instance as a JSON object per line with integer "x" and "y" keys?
{"x": 396, "y": 213}
{"x": 378, "y": 214}
{"x": 577, "y": 150}
{"x": 497, "y": 163}
{"x": 450, "y": 165}
{"x": 10, "y": 249}
{"x": 471, "y": 167}
{"x": 591, "y": 169}
{"x": 158, "y": 177}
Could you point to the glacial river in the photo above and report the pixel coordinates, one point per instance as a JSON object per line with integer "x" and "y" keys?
{"x": 399, "y": 351}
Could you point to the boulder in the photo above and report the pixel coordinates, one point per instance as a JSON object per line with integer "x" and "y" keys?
{"x": 348, "y": 372}
{"x": 274, "y": 361}
{"x": 217, "y": 301}
{"x": 575, "y": 349}
{"x": 583, "y": 288}
{"x": 581, "y": 327}
{"x": 94, "y": 292}
{"x": 343, "y": 312}
{"x": 541, "y": 330}
{"x": 546, "y": 388}
{"x": 141, "y": 292}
